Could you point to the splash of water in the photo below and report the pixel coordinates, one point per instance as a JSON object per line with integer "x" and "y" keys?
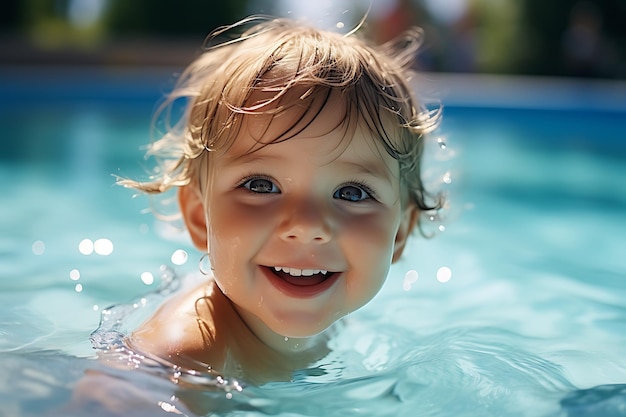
{"x": 109, "y": 339}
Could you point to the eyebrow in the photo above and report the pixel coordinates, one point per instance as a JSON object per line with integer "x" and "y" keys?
{"x": 252, "y": 157}
{"x": 372, "y": 167}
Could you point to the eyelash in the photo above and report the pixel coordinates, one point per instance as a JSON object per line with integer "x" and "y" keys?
{"x": 354, "y": 183}
{"x": 363, "y": 186}
{"x": 250, "y": 177}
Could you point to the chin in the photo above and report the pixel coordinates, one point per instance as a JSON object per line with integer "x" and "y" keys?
{"x": 300, "y": 329}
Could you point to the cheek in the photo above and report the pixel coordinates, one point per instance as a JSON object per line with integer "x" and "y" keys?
{"x": 224, "y": 241}
{"x": 229, "y": 221}
{"x": 369, "y": 246}
{"x": 235, "y": 233}
{"x": 373, "y": 235}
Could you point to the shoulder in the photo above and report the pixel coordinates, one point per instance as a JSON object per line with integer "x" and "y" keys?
{"x": 183, "y": 329}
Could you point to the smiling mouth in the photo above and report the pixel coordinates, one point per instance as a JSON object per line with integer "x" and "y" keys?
{"x": 301, "y": 277}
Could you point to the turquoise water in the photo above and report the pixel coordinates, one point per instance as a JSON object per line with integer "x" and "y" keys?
{"x": 515, "y": 308}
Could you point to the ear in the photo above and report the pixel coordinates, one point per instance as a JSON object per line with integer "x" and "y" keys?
{"x": 407, "y": 224}
{"x": 190, "y": 202}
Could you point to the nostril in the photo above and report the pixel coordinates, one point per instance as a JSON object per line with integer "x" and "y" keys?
{"x": 302, "y": 231}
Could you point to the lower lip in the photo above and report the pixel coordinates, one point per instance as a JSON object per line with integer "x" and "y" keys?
{"x": 297, "y": 291}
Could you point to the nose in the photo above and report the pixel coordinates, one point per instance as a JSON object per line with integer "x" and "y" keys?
{"x": 306, "y": 222}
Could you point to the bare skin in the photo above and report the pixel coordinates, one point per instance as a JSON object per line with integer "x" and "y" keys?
{"x": 193, "y": 340}
{"x": 300, "y": 204}
{"x": 300, "y": 234}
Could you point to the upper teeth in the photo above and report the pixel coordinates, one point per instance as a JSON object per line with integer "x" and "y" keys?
{"x": 295, "y": 272}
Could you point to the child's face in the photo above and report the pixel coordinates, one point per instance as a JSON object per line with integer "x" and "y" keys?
{"x": 315, "y": 202}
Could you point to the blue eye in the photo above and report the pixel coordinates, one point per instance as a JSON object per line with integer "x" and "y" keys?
{"x": 260, "y": 185}
{"x": 351, "y": 193}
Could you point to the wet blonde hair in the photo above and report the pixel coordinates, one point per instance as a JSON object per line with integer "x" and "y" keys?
{"x": 278, "y": 58}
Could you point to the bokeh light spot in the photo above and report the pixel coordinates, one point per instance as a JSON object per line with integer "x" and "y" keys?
{"x": 85, "y": 247}
{"x": 38, "y": 247}
{"x": 74, "y": 274}
{"x": 444, "y": 274}
{"x": 147, "y": 278}
{"x": 409, "y": 279}
{"x": 103, "y": 247}
{"x": 179, "y": 257}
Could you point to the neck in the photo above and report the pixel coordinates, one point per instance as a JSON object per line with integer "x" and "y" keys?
{"x": 294, "y": 347}
{"x": 253, "y": 336}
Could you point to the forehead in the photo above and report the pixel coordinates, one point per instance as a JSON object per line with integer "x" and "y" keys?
{"x": 324, "y": 126}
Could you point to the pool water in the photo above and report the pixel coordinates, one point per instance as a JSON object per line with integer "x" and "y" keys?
{"x": 516, "y": 306}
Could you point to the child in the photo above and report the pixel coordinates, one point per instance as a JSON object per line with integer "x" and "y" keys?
{"x": 297, "y": 162}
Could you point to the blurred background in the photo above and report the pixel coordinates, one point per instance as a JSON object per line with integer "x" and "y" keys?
{"x": 571, "y": 38}
{"x": 532, "y": 155}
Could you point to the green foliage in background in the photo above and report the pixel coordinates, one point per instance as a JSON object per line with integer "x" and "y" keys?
{"x": 171, "y": 17}
{"x": 580, "y": 38}
{"x": 548, "y": 26}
